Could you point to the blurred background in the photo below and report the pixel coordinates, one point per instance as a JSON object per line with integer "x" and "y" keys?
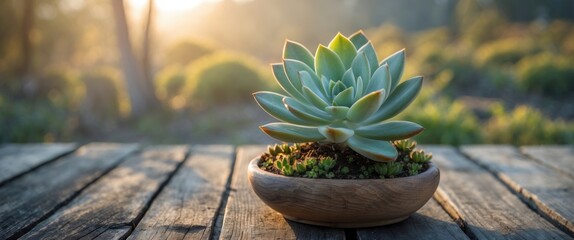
{"x": 175, "y": 71}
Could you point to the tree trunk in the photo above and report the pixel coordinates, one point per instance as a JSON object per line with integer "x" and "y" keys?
{"x": 147, "y": 42}
{"x": 142, "y": 96}
{"x": 29, "y": 84}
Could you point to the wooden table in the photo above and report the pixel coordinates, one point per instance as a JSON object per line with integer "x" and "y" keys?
{"x": 118, "y": 191}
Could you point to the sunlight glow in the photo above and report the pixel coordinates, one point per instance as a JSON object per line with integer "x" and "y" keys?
{"x": 167, "y": 5}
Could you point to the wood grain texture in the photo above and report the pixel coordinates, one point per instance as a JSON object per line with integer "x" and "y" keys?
{"x": 115, "y": 202}
{"x": 247, "y": 217}
{"x": 347, "y": 203}
{"x": 486, "y": 208}
{"x": 430, "y": 222}
{"x": 561, "y": 158}
{"x": 187, "y": 207}
{"x": 16, "y": 159}
{"x": 32, "y": 197}
{"x": 544, "y": 189}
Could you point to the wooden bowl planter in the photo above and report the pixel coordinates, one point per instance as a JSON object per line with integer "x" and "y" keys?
{"x": 343, "y": 202}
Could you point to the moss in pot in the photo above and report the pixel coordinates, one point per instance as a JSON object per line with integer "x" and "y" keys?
{"x": 349, "y": 166}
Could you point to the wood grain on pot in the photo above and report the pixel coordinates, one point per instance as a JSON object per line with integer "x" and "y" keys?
{"x": 344, "y": 202}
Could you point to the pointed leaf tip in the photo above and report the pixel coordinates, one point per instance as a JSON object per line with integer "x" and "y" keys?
{"x": 292, "y": 133}
{"x": 396, "y": 63}
{"x": 390, "y": 131}
{"x": 344, "y": 48}
{"x": 401, "y": 97}
{"x": 296, "y": 51}
{"x": 365, "y": 106}
{"x": 359, "y": 39}
{"x": 328, "y": 64}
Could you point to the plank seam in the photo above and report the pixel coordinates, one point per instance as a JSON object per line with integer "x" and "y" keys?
{"x": 526, "y": 197}
{"x": 450, "y": 208}
{"x": 217, "y": 225}
{"x": 534, "y": 159}
{"x": 66, "y": 201}
{"x": 134, "y": 223}
{"x": 53, "y": 159}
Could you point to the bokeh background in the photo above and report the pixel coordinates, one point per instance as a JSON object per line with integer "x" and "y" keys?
{"x": 169, "y": 71}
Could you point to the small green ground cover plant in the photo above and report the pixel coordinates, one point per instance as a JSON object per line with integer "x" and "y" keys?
{"x": 339, "y": 104}
{"x": 314, "y": 160}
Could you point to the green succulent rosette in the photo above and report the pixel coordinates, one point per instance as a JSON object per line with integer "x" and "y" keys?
{"x": 342, "y": 95}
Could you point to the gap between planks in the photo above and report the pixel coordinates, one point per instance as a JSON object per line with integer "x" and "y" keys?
{"x": 484, "y": 207}
{"x": 543, "y": 189}
{"x": 96, "y": 152}
{"x": 187, "y": 207}
{"x": 218, "y": 223}
{"x": 30, "y": 156}
{"x": 156, "y": 194}
{"x": 111, "y": 207}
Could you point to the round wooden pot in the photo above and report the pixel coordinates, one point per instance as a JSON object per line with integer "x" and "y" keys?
{"x": 344, "y": 203}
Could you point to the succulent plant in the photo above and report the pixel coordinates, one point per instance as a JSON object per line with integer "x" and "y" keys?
{"x": 341, "y": 95}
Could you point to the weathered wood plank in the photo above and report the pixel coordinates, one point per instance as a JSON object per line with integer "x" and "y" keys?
{"x": 31, "y": 198}
{"x": 485, "y": 207}
{"x": 116, "y": 201}
{"x": 187, "y": 207}
{"x": 247, "y": 217}
{"x": 430, "y": 222}
{"x": 16, "y": 159}
{"x": 549, "y": 192}
{"x": 561, "y": 158}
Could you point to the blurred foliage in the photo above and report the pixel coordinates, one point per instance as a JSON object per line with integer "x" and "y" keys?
{"x": 504, "y": 51}
{"x": 525, "y": 125}
{"x": 33, "y": 121}
{"x": 225, "y": 78}
{"x": 169, "y": 84}
{"x": 445, "y": 122}
{"x": 547, "y": 74}
{"x": 186, "y": 51}
{"x": 489, "y": 49}
{"x": 105, "y": 101}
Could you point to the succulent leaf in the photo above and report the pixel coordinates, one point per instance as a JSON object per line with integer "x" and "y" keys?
{"x": 396, "y": 65}
{"x": 272, "y": 103}
{"x": 366, "y": 106}
{"x": 296, "y": 51}
{"x": 281, "y": 77}
{"x": 337, "y": 88}
{"x": 344, "y": 98}
{"x": 326, "y": 85}
{"x": 390, "y": 131}
{"x": 313, "y": 84}
{"x": 403, "y": 95}
{"x": 328, "y": 64}
{"x": 349, "y": 79}
{"x": 359, "y": 39}
{"x": 361, "y": 69}
{"x": 341, "y": 95}
{"x": 371, "y": 54}
{"x": 381, "y": 151}
{"x": 313, "y": 98}
{"x": 381, "y": 79}
{"x": 344, "y": 49}
{"x": 359, "y": 88}
{"x": 336, "y": 135}
{"x": 338, "y": 112}
{"x": 307, "y": 113}
{"x": 292, "y": 133}
{"x": 292, "y": 69}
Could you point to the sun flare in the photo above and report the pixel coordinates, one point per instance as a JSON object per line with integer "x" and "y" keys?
{"x": 167, "y": 5}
